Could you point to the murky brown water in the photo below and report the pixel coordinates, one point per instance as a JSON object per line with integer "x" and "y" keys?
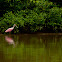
{"x": 31, "y": 48}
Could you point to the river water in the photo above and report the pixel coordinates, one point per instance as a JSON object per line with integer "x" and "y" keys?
{"x": 31, "y": 47}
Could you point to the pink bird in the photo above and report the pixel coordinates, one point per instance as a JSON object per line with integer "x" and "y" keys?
{"x": 10, "y": 29}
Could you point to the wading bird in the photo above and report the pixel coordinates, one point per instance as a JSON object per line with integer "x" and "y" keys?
{"x": 10, "y": 29}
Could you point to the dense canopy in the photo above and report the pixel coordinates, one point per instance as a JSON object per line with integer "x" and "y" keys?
{"x": 31, "y": 15}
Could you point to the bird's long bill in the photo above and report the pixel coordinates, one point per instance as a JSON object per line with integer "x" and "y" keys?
{"x": 16, "y": 26}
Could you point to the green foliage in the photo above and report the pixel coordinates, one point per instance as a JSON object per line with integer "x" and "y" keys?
{"x": 58, "y": 2}
{"x": 32, "y": 16}
{"x": 55, "y": 19}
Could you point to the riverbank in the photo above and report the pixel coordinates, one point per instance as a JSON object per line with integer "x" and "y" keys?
{"x": 34, "y": 34}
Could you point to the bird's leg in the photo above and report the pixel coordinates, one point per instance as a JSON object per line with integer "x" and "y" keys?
{"x": 9, "y": 33}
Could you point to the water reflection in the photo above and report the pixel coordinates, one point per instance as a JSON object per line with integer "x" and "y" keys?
{"x": 10, "y": 40}
{"x": 31, "y": 48}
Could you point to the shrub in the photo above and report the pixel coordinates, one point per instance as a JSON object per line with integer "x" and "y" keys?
{"x": 43, "y": 16}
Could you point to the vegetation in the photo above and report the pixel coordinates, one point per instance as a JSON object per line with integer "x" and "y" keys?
{"x": 58, "y": 2}
{"x": 30, "y": 16}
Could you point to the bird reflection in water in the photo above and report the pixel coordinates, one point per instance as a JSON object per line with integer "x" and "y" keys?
{"x": 9, "y": 40}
